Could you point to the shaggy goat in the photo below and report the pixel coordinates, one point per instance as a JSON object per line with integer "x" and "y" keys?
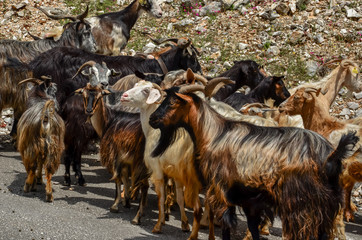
{"x": 113, "y": 30}
{"x": 294, "y": 171}
{"x": 122, "y": 145}
{"x": 41, "y": 135}
{"x": 310, "y": 104}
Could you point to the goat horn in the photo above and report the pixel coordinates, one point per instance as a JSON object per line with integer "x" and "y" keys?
{"x": 215, "y": 84}
{"x": 161, "y": 91}
{"x": 58, "y": 17}
{"x": 332, "y": 61}
{"x": 201, "y": 79}
{"x": 308, "y": 90}
{"x": 89, "y": 63}
{"x": 249, "y": 105}
{"x": 347, "y": 62}
{"x": 33, "y": 80}
{"x": 160, "y": 41}
{"x": 191, "y": 88}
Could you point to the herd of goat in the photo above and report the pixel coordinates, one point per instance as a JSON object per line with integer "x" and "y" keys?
{"x": 158, "y": 117}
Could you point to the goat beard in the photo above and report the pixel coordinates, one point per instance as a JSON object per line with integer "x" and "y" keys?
{"x": 167, "y": 138}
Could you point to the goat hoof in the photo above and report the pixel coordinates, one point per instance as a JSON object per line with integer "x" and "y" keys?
{"x": 66, "y": 180}
{"x": 167, "y": 217}
{"x": 185, "y": 227}
{"x": 114, "y": 209}
{"x": 127, "y": 204}
{"x": 81, "y": 182}
{"x": 156, "y": 229}
{"x": 349, "y": 217}
{"x": 49, "y": 197}
{"x": 136, "y": 222}
{"x": 27, "y": 187}
{"x": 39, "y": 181}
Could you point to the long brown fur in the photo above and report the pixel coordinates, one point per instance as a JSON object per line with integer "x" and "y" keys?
{"x": 41, "y": 142}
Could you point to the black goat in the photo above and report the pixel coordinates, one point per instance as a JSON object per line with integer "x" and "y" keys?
{"x": 270, "y": 87}
{"x": 245, "y": 72}
{"x": 112, "y": 30}
{"x": 61, "y": 63}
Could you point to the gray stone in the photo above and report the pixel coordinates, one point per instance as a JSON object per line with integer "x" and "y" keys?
{"x": 211, "y": 8}
{"x": 150, "y": 47}
{"x": 184, "y": 24}
{"x": 273, "y": 51}
{"x": 353, "y": 105}
{"x": 344, "y": 112}
{"x": 8, "y": 14}
{"x": 18, "y": 6}
{"x": 292, "y": 6}
{"x": 276, "y": 34}
{"x": 358, "y": 96}
{"x": 312, "y": 67}
{"x": 319, "y": 38}
{"x": 351, "y": 13}
{"x": 21, "y": 13}
{"x": 359, "y": 113}
{"x": 243, "y": 46}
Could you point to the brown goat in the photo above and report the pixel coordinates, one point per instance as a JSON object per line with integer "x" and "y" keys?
{"x": 41, "y": 140}
{"x": 311, "y": 105}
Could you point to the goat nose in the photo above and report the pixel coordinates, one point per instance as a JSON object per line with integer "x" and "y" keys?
{"x": 88, "y": 110}
{"x": 104, "y": 84}
{"x": 125, "y": 95}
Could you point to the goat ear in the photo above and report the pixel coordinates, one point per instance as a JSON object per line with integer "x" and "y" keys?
{"x": 115, "y": 73}
{"x": 79, "y": 91}
{"x": 190, "y": 76}
{"x": 153, "y": 96}
{"x": 140, "y": 74}
{"x": 84, "y": 72}
{"x": 105, "y": 92}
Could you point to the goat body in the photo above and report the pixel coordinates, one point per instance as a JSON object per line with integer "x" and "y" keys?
{"x": 311, "y": 105}
{"x": 292, "y": 170}
{"x": 41, "y": 141}
{"x": 112, "y": 30}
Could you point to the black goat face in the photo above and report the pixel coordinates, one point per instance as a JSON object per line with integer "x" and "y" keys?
{"x": 85, "y": 36}
{"x": 279, "y": 89}
{"x": 152, "y": 7}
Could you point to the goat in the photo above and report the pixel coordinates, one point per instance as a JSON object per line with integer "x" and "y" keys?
{"x": 113, "y": 30}
{"x": 310, "y": 103}
{"x": 41, "y": 135}
{"x": 122, "y": 145}
{"x": 176, "y": 162}
{"x": 246, "y": 72}
{"x": 270, "y": 87}
{"x": 76, "y": 34}
{"x": 293, "y": 171}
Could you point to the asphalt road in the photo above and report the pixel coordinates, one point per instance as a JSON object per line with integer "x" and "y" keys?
{"x": 83, "y": 212}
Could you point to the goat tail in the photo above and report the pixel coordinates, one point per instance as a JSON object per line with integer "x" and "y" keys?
{"x": 333, "y": 165}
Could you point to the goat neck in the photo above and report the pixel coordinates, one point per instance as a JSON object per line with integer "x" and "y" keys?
{"x": 316, "y": 116}
{"x": 99, "y": 119}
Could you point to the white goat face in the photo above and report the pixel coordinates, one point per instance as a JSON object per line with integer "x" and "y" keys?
{"x": 141, "y": 95}
{"x": 152, "y": 7}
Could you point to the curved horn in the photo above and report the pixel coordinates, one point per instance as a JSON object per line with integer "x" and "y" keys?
{"x": 249, "y": 105}
{"x": 89, "y": 63}
{"x": 201, "y": 79}
{"x": 347, "y": 62}
{"x": 191, "y": 88}
{"x": 58, "y": 17}
{"x": 310, "y": 89}
{"x": 160, "y": 41}
{"x": 83, "y": 15}
{"x": 332, "y": 61}
{"x": 32, "y": 80}
{"x": 215, "y": 84}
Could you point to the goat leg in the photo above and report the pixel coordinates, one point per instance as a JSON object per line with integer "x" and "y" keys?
{"x": 142, "y": 204}
{"x": 67, "y": 162}
{"x": 77, "y": 169}
{"x": 30, "y": 184}
{"x": 181, "y": 203}
{"x": 126, "y": 185}
{"x": 39, "y": 169}
{"x": 114, "y": 208}
{"x": 160, "y": 190}
{"x": 197, "y": 218}
{"x": 348, "y": 211}
{"x": 48, "y": 187}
